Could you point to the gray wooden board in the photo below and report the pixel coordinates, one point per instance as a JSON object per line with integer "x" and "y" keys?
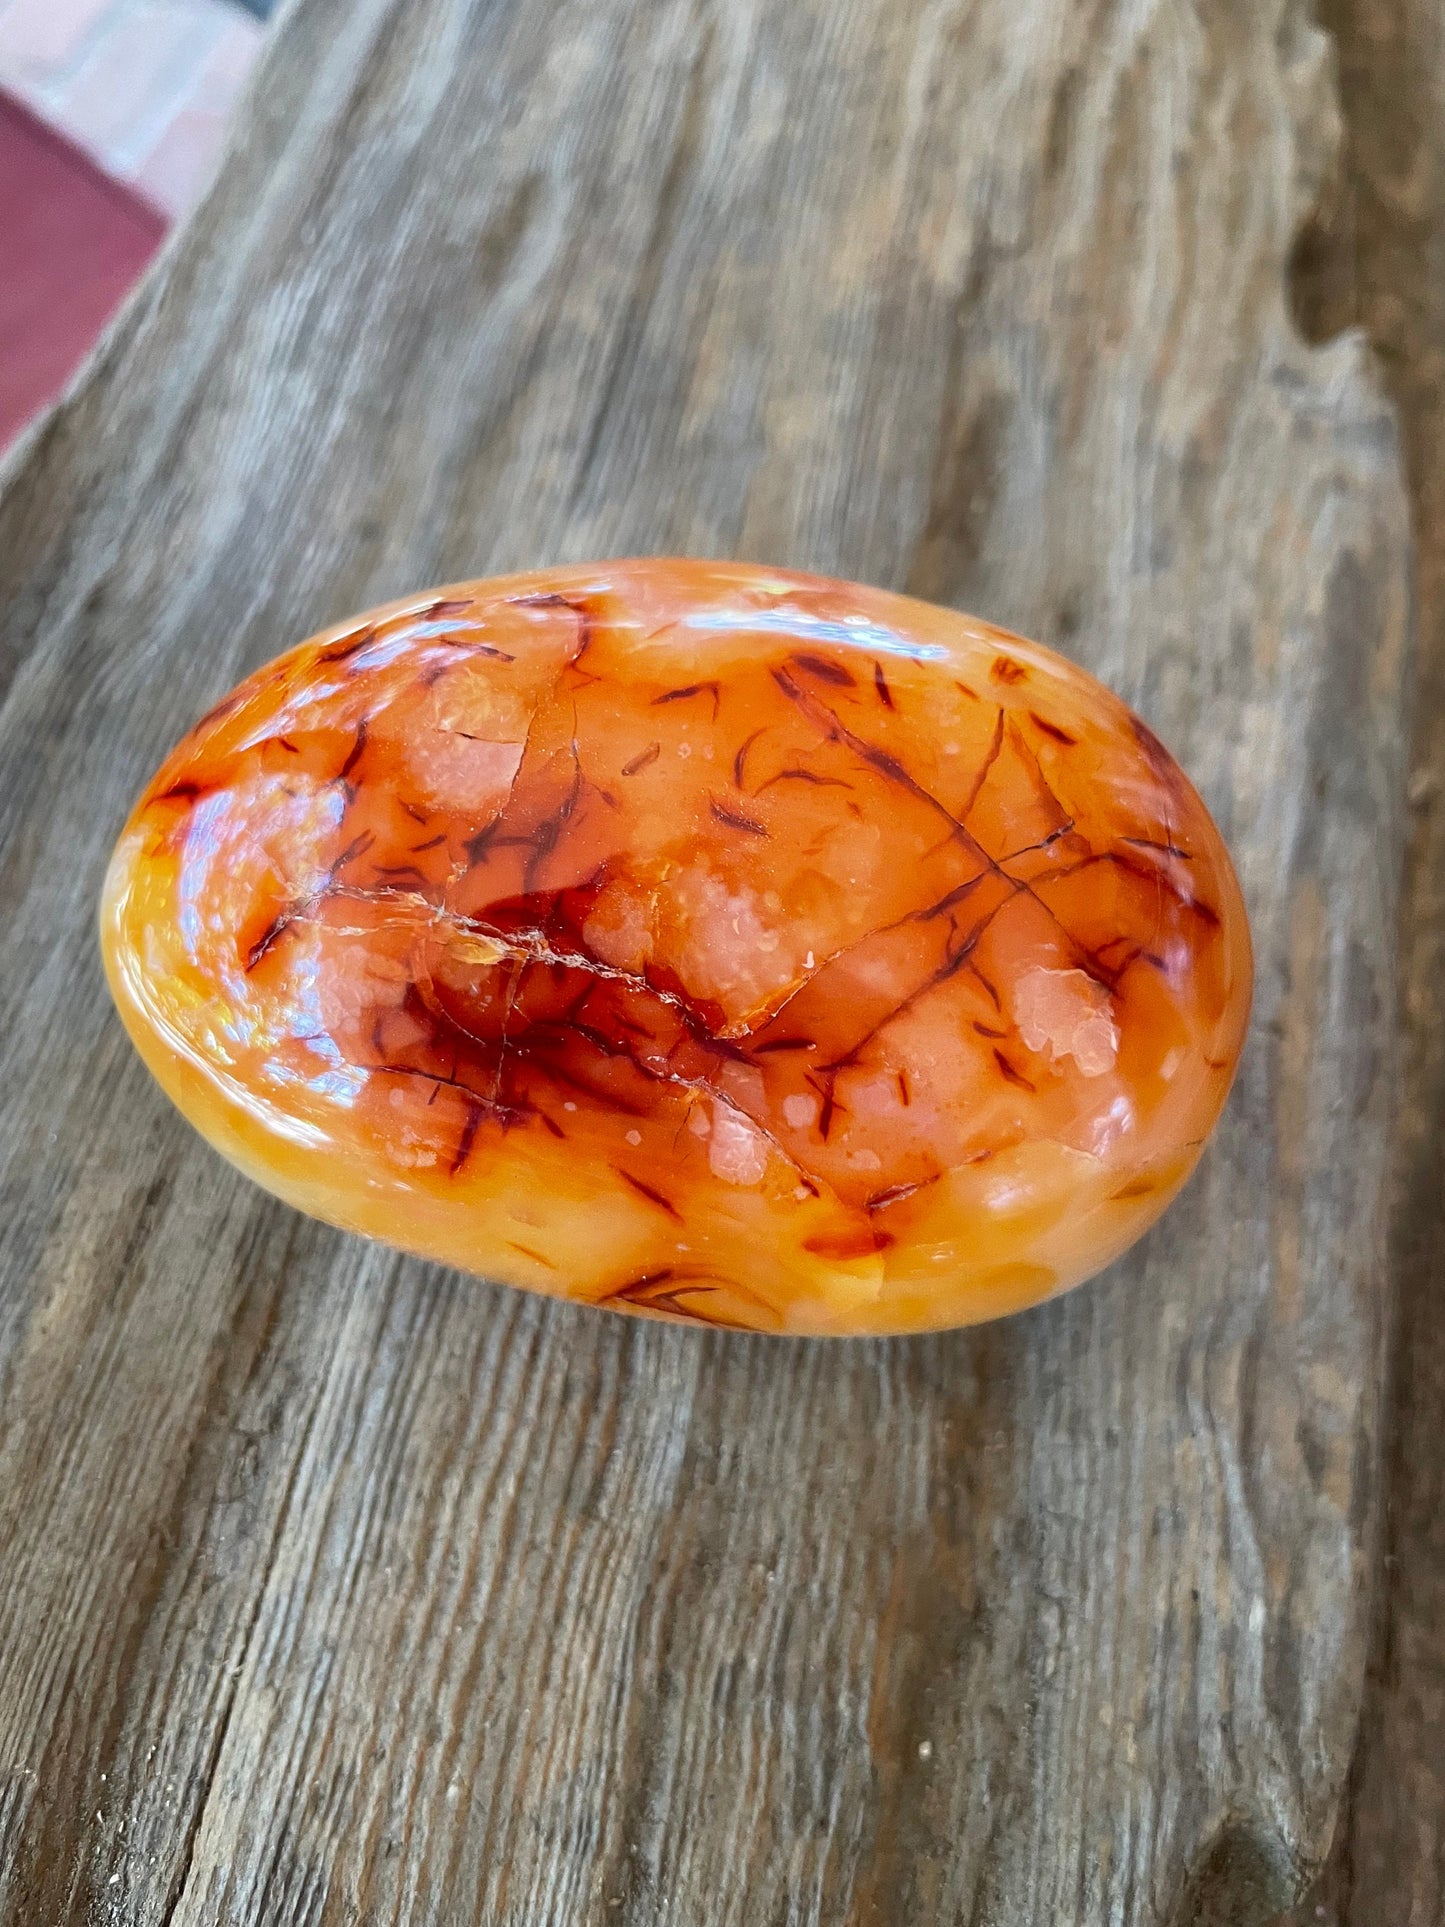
{"x": 1377, "y": 259}
{"x": 334, "y": 1587}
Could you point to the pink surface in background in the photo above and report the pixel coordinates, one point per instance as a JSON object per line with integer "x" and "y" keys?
{"x": 72, "y": 243}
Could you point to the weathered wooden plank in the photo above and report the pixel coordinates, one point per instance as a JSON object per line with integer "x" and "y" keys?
{"x": 1378, "y": 261}
{"x": 338, "y": 1588}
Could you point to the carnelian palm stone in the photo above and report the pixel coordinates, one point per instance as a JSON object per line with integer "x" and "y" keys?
{"x": 706, "y": 941}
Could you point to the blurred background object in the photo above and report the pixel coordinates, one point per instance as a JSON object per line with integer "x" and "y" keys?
{"x": 112, "y": 117}
{"x": 73, "y": 241}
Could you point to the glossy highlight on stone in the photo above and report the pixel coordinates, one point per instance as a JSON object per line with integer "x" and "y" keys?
{"x": 693, "y": 939}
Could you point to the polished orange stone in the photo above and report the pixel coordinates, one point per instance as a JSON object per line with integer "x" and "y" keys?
{"x": 698, "y": 940}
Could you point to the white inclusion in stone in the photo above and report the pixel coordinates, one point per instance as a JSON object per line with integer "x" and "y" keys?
{"x": 737, "y": 1151}
{"x": 800, "y": 1110}
{"x": 1066, "y": 1013}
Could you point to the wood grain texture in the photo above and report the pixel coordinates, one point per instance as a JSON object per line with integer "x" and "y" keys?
{"x": 338, "y": 1588}
{"x": 1376, "y": 260}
